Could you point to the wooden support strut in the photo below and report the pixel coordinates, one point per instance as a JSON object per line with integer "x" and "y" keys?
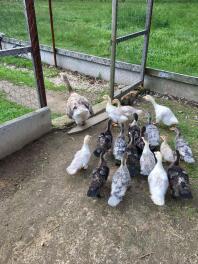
{"x": 36, "y": 57}
{"x": 146, "y": 38}
{"x": 113, "y": 46}
{"x": 15, "y": 51}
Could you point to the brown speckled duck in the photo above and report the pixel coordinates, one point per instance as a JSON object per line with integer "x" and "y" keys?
{"x": 99, "y": 177}
{"x": 78, "y": 107}
{"x": 178, "y": 180}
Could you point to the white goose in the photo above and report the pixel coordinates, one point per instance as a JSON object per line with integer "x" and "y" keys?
{"x": 114, "y": 113}
{"x": 81, "y": 158}
{"x": 158, "y": 182}
{"x": 166, "y": 150}
{"x": 162, "y": 113}
{"x": 127, "y": 109}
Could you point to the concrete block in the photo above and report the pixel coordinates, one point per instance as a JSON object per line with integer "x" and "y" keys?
{"x": 15, "y": 134}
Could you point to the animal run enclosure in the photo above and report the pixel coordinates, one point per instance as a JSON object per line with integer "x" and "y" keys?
{"x": 33, "y": 48}
{"x": 22, "y": 130}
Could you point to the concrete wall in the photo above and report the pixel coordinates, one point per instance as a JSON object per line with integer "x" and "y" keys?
{"x": 17, "y": 133}
{"x": 157, "y": 80}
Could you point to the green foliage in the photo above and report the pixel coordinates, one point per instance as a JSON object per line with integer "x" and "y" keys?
{"x": 10, "y": 110}
{"x": 86, "y": 26}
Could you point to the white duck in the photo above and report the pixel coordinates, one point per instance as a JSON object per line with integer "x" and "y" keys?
{"x": 114, "y": 113}
{"x": 162, "y": 113}
{"x": 127, "y": 109}
{"x": 147, "y": 160}
{"x": 81, "y": 158}
{"x": 158, "y": 182}
{"x": 120, "y": 182}
{"x": 78, "y": 107}
{"x": 166, "y": 151}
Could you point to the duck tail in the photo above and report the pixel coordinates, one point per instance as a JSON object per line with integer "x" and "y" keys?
{"x": 97, "y": 152}
{"x": 67, "y": 83}
{"x": 189, "y": 159}
{"x": 158, "y": 200}
{"x": 71, "y": 171}
{"x": 121, "y": 129}
{"x": 186, "y": 193}
{"x": 94, "y": 193}
{"x": 113, "y": 201}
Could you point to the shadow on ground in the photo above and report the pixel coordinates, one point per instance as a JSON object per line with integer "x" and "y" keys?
{"x": 46, "y": 217}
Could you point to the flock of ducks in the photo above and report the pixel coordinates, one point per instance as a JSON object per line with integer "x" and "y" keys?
{"x": 136, "y": 150}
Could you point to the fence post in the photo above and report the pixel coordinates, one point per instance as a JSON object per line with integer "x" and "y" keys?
{"x": 113, "y": 46}
{"x": 52, "y": 31}
{"x": 36, "y": 57}
{"x": 146, "y": 38}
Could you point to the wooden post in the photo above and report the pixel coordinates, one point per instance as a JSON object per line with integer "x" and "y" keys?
{"x": 113, "y": 46}
{"x": 52, "y": 31}
{"x": 36, "y": 57}
{"x": 146, "y": 38}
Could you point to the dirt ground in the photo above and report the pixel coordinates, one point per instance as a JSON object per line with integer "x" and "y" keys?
{"x": 46, "y": 217}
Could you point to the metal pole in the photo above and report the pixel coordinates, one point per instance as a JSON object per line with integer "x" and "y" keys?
{"x": 52, "y": 32}
{"x": 113, "y": 46}
{"x": 36, "y": 57}
{"x": 146, "y": 38}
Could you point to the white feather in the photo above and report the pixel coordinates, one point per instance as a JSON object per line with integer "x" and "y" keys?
{"x": 158, "y": 182}
{"x": 163, "y": 113}
{"x": 80, "y": 160}
{"x": 167, "y": 152}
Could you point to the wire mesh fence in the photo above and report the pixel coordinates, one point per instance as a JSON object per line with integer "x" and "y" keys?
{"x": 18, "y": 92}
{"x": 85, "y": 26}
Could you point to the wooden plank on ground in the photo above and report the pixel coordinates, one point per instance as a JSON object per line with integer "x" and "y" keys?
{"x": 90, "y": 122}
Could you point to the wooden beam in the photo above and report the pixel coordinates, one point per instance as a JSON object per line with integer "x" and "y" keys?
{"x": 131, "y": 36}
{"x": 36, "y": 57}
{"x": 15, "y": 51}
{"x": 118, "y": 94}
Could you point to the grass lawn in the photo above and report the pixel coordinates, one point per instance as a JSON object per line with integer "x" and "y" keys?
{"x": 22, "y": 73}
{"x": 10, "y": 110}
{"x": 86, "y": 26}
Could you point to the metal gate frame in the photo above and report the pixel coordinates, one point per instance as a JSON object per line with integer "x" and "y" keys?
{"x": 34, "y": 49}
{"x": 116, "y": 40}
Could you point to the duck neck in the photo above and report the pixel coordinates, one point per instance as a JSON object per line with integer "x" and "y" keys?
{"x": 176, "y": 162}
{"x": 102, "y": 161}
{"x": 109, "y": 103}
{"x": 159, "y": 163}
{"x": 86, "y": 142}
{"x": 149, "y": 118}
{"x": 178, "y": 134}
{"x": 146, "y": 146}
{"x": 121, "y": 130}
{"x": 152, "y": 100}
{"x": 118, "y": 102}
{"x": 124, "y": 160}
